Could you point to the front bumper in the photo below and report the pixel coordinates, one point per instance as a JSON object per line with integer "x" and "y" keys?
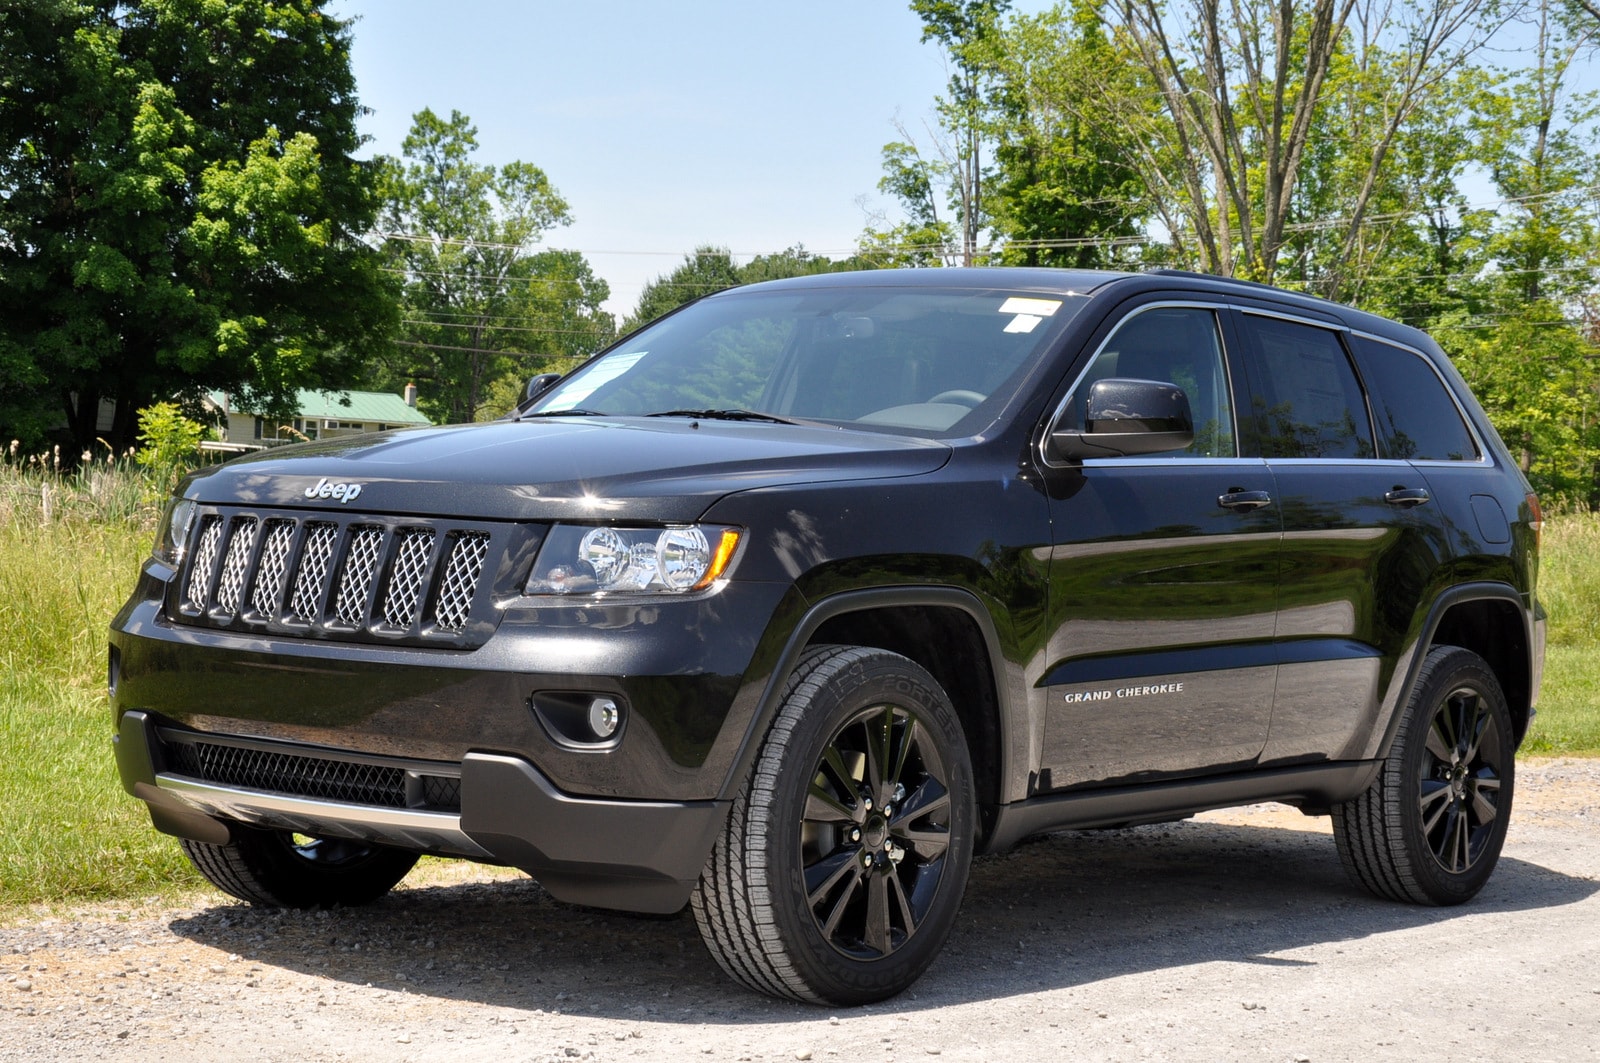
{"x": 635, "y": 855}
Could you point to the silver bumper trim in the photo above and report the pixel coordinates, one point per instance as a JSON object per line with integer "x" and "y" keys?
{"x": 406, "y": 827}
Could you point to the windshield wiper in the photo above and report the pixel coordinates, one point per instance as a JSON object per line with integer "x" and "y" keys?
{"x": 725, "y": 415}
{"x": 576, "y": 411}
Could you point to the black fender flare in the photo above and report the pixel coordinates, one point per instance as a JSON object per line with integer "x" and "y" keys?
{"x": 860, "y": 601}
{"x": 1410, "y": 665}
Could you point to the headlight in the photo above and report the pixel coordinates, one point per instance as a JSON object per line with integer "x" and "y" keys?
{"x": 592, "y": 560}
{"x": 173, "y": 532}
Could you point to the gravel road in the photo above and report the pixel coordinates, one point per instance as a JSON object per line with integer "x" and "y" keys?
{"x": 1232, "y": 936}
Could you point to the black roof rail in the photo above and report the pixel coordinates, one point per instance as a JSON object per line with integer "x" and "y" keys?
{"x": 1191, "y": 274}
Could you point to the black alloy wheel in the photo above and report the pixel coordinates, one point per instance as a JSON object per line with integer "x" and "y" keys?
{"x": 875, "y": 833}
{"x": 1458, "y": 793}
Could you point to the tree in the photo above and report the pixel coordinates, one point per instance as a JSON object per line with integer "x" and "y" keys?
{"x": 1242, "y": 86}
{"x": 179, "y": 208}
{"x": 709, "y": 269}
{"x": 481, "y": 303}
{"x": 1064, "y": 194}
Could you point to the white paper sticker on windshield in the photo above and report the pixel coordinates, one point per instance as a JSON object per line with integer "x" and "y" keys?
{"x": 1031, "y": 307}
{"x": 573, "y": 396}
{"x": 1023, "y": 323}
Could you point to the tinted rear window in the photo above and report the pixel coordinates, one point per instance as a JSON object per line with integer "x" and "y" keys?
{"x": 1417, "y": 419}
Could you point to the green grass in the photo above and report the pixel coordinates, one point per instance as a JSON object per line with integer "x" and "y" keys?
{"x": 71, "y": 833}
{"x": 73, "y": 836}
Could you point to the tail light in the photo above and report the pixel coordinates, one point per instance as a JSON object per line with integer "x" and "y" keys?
{"x": 1535, "y": 517}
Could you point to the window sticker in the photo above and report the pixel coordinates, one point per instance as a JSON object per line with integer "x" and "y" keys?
{"x": 594, "y": 380}
{"x": 1023, "y": 323}
{"x": 1035, "y": 308}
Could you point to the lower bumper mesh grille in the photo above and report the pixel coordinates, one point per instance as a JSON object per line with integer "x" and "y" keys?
{"x": 381, "y": 785}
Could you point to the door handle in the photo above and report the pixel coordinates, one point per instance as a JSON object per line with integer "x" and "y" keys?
{"x": 1242, "y": 501}
{"x": 1406, "y": 497}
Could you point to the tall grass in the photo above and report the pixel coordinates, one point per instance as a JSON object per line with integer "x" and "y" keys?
{"x": 70, "y": 547}
{"x": 1568, "y": 720}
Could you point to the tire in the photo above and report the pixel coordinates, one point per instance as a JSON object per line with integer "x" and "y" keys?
{"x": 277, "y": 869}
{"x": 1430, "y": 827}
{"x": 835, "y": 881}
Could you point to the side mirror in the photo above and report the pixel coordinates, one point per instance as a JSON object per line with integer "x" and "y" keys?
{"x": 539, "y": 385}
{"x": 1127, "y": 417}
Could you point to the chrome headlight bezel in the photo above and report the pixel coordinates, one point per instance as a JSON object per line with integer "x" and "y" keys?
{"x": 609, "y": 560}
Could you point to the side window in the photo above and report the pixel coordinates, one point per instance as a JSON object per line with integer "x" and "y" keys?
{"x": 1307, "y": 403}
{"x": 1175, "y": 345}
{"x": 1417, "y": 419}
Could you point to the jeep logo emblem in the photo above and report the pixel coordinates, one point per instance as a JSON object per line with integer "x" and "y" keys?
{"x": 343, "y": 492}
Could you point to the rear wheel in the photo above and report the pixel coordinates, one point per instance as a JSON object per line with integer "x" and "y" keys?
{"x": 1430, "y": 827}
{"x": 277, "y": 869}
{"x": 839, "y": 874}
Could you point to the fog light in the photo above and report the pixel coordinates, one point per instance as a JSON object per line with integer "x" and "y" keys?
{"x": 604, "y": 716}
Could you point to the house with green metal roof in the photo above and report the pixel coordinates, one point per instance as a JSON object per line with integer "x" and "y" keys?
{"x": 318, "y": 415}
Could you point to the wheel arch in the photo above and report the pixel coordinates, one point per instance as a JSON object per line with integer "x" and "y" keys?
{"x": 1489, "y": 619}
{"x": 946, "y": 631}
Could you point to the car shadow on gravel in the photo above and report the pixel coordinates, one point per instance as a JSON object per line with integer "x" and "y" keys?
{"x": 1066, "y": 910}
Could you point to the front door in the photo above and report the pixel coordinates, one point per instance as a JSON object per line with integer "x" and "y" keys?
{"x": 1163, "y": 579}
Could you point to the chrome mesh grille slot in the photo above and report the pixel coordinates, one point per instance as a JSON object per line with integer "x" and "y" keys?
{"x": 205, "y": 562}
{"x": 273, "y": 567}
{"x": 230, "y": 588}
{"x": 358, "y": 578}
{"x": 360, "y": 567}
{"x": 409, "y": 577}
{"x": 461, "y": 574}
{"x": 312, "y": 578}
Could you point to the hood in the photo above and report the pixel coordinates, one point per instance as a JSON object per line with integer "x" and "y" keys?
{"x": 591, "y": 468}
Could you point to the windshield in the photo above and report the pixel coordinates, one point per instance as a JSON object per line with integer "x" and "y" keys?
{"x": 918, "y": 359}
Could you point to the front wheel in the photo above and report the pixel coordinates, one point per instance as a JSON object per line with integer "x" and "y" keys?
{"x": 277, "y": 869}
{"x": 840, "y": 871}
{"x": 1430, "y": 827}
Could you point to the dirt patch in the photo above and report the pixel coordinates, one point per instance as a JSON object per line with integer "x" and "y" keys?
{"x": 1234, "y": 935}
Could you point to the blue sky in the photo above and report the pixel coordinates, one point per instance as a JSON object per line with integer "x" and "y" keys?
{"x": 753, "y": 125}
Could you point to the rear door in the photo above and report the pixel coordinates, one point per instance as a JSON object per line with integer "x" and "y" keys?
{"x": 1163, "y": 576}
{"x": 1363, "y": 537}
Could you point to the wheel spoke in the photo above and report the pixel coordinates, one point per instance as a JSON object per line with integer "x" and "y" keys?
{"x": 1485, "y": 798}
{"x": 908, "y": 920}
{"x": 826, "y": 873}
{"x": 833, "y": 762}
{"x": 1461, "y": 843}
{"x": 1478, "y": 727}
{"x": 877, "y": 751}
{"x": 823, "y": 807}
{"x": 908, "y": 740}
{"x": 877, "y": 928}
{"x": 1435, "y": 795}
{"x": 1441, "y": 744}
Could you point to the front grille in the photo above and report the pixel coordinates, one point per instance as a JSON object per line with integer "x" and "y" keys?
{"x": 360, "y": 578}
{"x": 351, "y": 782}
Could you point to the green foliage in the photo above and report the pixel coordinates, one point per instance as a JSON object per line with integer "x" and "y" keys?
{"x": 180, "y": 208}
{"x": 169, "y": 446}
{"x": 709, "y": 269}
{"x": 484, "y": 309}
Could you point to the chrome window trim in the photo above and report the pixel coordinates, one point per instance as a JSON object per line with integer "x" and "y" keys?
{"x": 1299, "y": 319}
{"x": 1214, "y": 309}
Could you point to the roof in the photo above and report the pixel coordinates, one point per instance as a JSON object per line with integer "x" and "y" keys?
{"x": 377, "y": 407}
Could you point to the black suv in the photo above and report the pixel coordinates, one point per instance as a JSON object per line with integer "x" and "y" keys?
{"x": 791, "y": 602}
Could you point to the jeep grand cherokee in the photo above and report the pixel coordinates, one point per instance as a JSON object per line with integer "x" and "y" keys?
{"x": 789, "y": 603}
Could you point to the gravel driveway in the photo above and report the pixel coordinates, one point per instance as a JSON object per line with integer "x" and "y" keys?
{"x": 1232, "y": 936}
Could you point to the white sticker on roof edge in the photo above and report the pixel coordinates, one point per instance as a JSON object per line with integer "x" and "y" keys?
{"x": 1023, "y": 323}
{"x": 1032, "y": 307}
